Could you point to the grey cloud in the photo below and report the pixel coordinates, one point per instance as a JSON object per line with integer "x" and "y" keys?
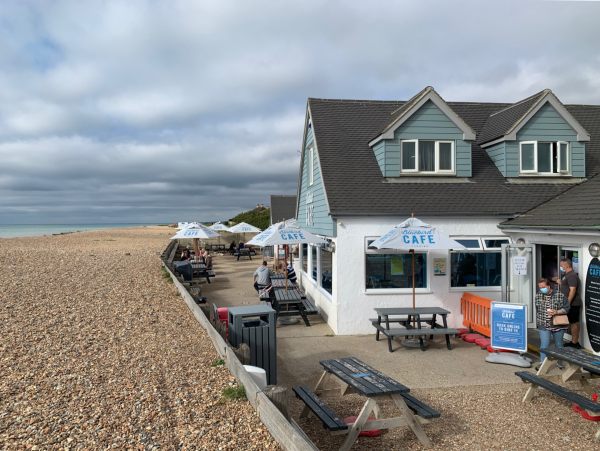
{"x": 166, "y": 110}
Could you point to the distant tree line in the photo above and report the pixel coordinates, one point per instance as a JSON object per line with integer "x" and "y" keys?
{"x": 259, "y": 217}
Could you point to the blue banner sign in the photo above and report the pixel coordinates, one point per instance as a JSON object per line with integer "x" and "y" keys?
{"x": 509, "y": 326}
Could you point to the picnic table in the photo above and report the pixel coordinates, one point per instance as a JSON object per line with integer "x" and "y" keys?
{"x": 279, "y": 282}
{"x": 199, "y": 270}
{"x": 412, "y": 321}
{"x": 355, "y": 376}
{"x": 288, "y": 302}
{"x": 243, "y": 252}
{"x": 580, "y": 366}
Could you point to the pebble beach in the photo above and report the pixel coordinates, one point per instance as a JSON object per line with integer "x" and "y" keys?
{"x": 99, "y": 351}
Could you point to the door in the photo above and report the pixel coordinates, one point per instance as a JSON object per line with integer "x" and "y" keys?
{"x": 518, "y": 281}
{"x": 572, "y": 253}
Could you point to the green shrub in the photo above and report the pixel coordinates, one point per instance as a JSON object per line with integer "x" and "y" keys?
{"x": 233, "y": 393}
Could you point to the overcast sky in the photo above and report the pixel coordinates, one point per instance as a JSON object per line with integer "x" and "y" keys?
{"x": 158, "y": 111}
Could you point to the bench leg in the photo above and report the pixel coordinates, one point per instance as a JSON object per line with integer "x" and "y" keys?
{"x": 390, "y": 343}
{"x": 445, "y": 321}
{"x": 362, "y": 418}
{"x": 304, "y": 316}
{"x": 379, "y": 324}
{"x": 412, "y": 421}
{"x": 544, "y": 368}
{"x": 316, "y": 390}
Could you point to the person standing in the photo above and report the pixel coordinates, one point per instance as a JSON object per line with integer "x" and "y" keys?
{"x": 569, "y": 287}
{"x": 548, "y": 303}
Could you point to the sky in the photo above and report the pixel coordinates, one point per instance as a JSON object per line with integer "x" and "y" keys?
{"x": 164, "y": 111}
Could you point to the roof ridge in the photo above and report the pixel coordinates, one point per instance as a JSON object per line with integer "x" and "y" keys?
{"x": 413, "y": 99}
{"x": 545, "y": 91}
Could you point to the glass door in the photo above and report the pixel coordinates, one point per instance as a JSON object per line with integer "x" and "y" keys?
{"x": 518, "y": 281}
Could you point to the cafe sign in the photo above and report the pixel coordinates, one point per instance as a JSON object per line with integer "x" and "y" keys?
{"x": 509, "y": 326}
{"x": 592, "y": 303}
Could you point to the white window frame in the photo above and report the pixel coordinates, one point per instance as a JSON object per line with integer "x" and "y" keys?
{"x": 311, "y": 165}
{"x": 559, "y": 171}
{"x": 436, "y": 169}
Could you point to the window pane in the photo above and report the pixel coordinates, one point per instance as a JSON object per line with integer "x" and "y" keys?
{"x": 304, "y": 257}
{"x": 395, "y": 271}
{"x": 527, "y": 157}
{"x": 408, "y": 156}
{"x": 326, "y": 270}
{"x": 544, "y": 157}
{"x": 475, "y": 269}
{"x": 313, "y": 272}
{"x": 498, "y": 242}
{"x": 564, "y": 157}
{"x": 470, "y": 243}
{"x": 427, "y": 156}
{"x": 445, "y": 156}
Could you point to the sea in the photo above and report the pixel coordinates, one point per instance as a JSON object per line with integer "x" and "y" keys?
{"x": 20, "y": 230}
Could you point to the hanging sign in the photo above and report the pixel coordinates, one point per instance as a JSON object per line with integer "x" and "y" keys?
{"x": 592, "y": 303}
{"x": 519, "y": 266}
{"x": 509, "y": 326}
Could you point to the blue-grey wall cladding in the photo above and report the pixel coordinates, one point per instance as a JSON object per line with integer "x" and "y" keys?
{"x": 428, "y": 122}
{"x": 313, "y": 210}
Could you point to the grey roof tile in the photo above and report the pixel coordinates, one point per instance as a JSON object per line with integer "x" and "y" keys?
{"x": 355, "y": 186}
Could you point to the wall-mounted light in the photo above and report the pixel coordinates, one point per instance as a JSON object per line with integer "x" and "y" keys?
{"x": 594, "y": 249}
{"x": 521, "y": 243}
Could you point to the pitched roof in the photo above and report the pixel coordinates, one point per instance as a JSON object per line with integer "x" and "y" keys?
{"x": 355, "y": 186}
{"x": 569, "y": 210}
{"x": 282, "y": 208}
{"x": 404, "y": 112}
{"x": 508, "y": 121}
{"x": 500, "y": 122}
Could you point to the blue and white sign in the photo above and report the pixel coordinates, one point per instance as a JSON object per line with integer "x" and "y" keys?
{"x": 509, "y": 326}
{"x": 285, "y": 233}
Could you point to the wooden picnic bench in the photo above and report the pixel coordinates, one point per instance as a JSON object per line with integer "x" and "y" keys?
{"x": 412, "y": 321}
{"x": 580, "y": 366}
{"x": 243, "y": 252}
{"x": 356, "y": 376}
{"x": 290, "y": 302}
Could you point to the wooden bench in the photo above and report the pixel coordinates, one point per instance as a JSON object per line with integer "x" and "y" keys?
{"x": 419, "y": 407}
{"x": 412, "y": 332}
{"x": 581, "y": 401}
{"x": 321, "y": 410}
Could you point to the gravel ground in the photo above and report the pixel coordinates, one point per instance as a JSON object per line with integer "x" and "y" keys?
{"x": 97, "y": 350}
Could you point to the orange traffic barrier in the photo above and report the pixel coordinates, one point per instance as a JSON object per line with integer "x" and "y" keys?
{"x": 476, "y": 313}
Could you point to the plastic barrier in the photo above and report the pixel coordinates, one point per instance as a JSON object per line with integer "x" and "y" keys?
{"x": 365, "y": 433}
{"x": 470, "y": 338}
{"x": 476, "y": 313}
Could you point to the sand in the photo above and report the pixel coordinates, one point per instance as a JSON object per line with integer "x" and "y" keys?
{"x": 97, "y": 350}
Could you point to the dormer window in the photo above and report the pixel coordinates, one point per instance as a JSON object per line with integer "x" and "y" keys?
{"x": 544, "y": 158}
{"x": 420, "y": 156}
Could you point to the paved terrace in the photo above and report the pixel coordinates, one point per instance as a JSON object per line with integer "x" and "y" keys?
{"x": 480, "y": 402}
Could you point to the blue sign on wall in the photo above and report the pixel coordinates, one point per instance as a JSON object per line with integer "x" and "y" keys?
{"x": 509, "y": 326}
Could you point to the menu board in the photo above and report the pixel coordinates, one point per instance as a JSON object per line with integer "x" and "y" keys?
{"x": 592, "y": 303}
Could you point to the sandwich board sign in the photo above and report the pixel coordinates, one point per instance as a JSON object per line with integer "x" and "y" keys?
{"x": 509, "y": 326}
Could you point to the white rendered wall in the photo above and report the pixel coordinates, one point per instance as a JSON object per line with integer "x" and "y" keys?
{"x": 354, "y": 303}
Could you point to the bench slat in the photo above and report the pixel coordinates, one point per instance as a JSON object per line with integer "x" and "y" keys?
{"x": 559, "y": 390}
{"x": 401, "y": 332}
{"x": 327, "y": 416}
{"x": 419, "y": 407}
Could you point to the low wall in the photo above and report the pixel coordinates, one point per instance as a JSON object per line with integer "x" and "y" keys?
{"x": 287, "y": 433}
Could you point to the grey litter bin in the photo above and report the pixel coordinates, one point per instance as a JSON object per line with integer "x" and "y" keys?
{"x": 254, "y": 325}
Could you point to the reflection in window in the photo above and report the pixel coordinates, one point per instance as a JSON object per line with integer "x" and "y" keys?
{"x": 304, "y": 257}
{"x": 313, "y": 272}
{"x": 395, "y": 270}
{"x": 475, "y": 269}
{"x": 326, "y": 270}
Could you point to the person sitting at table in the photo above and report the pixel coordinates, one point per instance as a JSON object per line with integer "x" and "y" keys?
{"x": 185, "y": 255}
{"x": 262, "y": 277}
{"x": 291, "y": 274}
{"x": 232, "y": 247}
{"x": 548, "y": 303}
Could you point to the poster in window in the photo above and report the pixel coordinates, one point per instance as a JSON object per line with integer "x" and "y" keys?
{"x": 397, "y": 265}
{"x": 439, "y": 266}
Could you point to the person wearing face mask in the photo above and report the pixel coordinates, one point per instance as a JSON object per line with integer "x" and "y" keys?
{"x": 549, "y": 302}
{"x": 569, "y": 287}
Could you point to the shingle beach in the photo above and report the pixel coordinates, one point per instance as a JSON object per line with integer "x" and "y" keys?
{"x": 98, "y": 351}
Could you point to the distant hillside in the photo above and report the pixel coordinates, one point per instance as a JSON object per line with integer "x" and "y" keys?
{"x": 259, "y": 217}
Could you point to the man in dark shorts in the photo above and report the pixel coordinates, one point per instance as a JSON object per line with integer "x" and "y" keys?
{"x": 569, "y": 286}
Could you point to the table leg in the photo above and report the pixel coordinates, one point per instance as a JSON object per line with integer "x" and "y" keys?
{"x": 303, "y": 314}
{"x": 421, "y": 342}
{"x": 306, "y": 410}
{"x": 445, "y": 321}
{"x": 433, "y": 325}
{"x": 411, "y": 420}
{"x": 379, "y": 325}
{"x": 362, "y": 418}
{"x": 544, "y": 369}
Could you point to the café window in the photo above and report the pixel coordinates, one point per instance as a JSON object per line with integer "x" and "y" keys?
{"x": 314, "y": 262}
{"x": 305, "y": 257}
{"x": 388, "y": 268}
{"x": 544, "y": 158}
{"x": 326, "y": 270}
{"x": 480, "y": 265}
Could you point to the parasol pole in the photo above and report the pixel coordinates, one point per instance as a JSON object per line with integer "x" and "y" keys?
{"x": 412, "y": 251}
{"x": 285, "y": 270}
